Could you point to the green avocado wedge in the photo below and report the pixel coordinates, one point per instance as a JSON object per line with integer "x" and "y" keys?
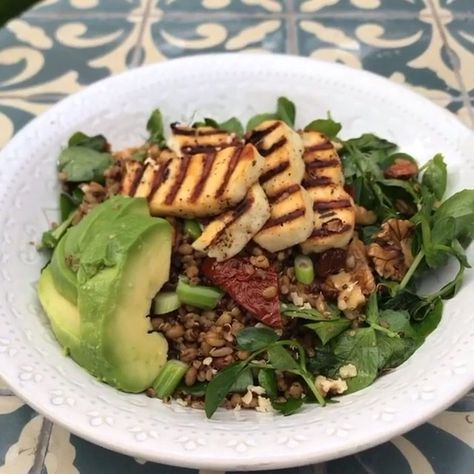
{"x": 63, "y": 315}
{"x": 65, "y": 260}
{"x": 120, "y": 271}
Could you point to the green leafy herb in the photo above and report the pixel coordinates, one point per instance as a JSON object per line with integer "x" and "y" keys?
{"x": 293, "y": 311}
{"x": 292, "y": 405}
{"x": 156, "y": 129}
{"x": 198, "y": 389}
{"x": 81, "y": 164}
{"x": 359, "y": 347}
{"x": 231, "y": 125}
{"x": 140, "y": 155}
{"x": 220, "y": 386}
{"x": 255, "y": 339}
{"x": 327, "y": 330}
{"x": 281, "y": 359}
{"x": 267, "y": 380}
{"x": 286, "y": 111}
{"x": 52, "y": 237}
{"x": 96, "y": 142}
{"x": 241, "y": 383}
{"x": 328, "y": 126}
{"x": 435, "y": 176}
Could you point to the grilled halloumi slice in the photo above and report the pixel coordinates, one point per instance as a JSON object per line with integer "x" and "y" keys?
{"x": 230, "y": 232}
{"x": 204, "y": 184}
{"x": 191, "y": 140}
{"x": 282, "y": 149}
{"x": 291, "y": 220}
{"x": 334, "y": 211}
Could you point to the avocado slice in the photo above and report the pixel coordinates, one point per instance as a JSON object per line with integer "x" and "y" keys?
{"x": 65, "y": 260}
{"x": 120, "y": 271}
{"x": 62, "y": 314}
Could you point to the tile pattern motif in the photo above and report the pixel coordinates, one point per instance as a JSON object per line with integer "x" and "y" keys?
{"x": 62, "y": 46}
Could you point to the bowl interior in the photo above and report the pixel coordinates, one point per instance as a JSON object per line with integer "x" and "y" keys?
{"x": 220, "y": 86}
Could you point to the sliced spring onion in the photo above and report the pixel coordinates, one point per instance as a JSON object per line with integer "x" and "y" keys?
{"x": 204, "y": 297}
{"x": 165, "y": 302}
{"x": 304, "y": 269}
{"x": 169, "y": 378}
{"x": 192, "y": 228}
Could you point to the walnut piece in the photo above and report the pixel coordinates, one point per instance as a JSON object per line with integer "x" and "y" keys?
{"x": 391, "y": 251}
{"x": 326, "y": 385}
{"x": 358, "y": 265}
{"x": 363, "y": 216}
{"x": 349, "y": 293}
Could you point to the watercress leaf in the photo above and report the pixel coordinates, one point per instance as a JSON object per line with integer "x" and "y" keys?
{"x": 292, "y": 405}
{"x": 242, "y": 382}
{"x": 96, "y": 142}
{"x": 430, "y": 322}
{"x": 220, "y": 386}
{"x": 232, "y": 125}
{"x": 324, "y": 362}
{"x": 398, "y": 322}
{"x": 460, "y": 206}
{"x": 328, "y": 126}
{"x": 394, "y": 351}
{"x": 286, "y": 111}
{"x": 281, "y": 359}
{"x": 390, "y": 159}
{"x": 52, "y": 237}
{"x": 77, "y": 195}
{"x": 358, "y": 347}
{"x": 80, "y": 164}
{"x": 66, "y": 206}
{"x": 209, "y": 122}
{"x": 435, "y": 176}
{"x": 254, "y": 339}
{"x": 155, "y": 128}
{"x": 407, "y": 186}
{"x": 198, "y": 389}
{"x": 267, "y": 380}
{"x": 256, "y": 120}
{"x": 327, "y": 330}
{"x": 372, "y": 311}
{"x": 293, "y": 311}
{"x": 370, "y": 142}
{"x": 450, "y": 289}
{"x": 459, "y": 252}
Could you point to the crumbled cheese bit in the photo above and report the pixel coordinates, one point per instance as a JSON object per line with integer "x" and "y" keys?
{"x": 237, "y": 407}
{"x": 264, "y": 405}
{"x": 256, "y": 389}
{"x": 306, "y": 306}
{"x": 181, "y": 402}
{"x": 207, "y": 361}
{"x": 348, "y": 371}
{"x": 296, "y": 299}
{"x": 326, "y": 385}
{"x": 247, "y": 398}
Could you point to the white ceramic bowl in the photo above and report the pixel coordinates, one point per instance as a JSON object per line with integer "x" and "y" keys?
{"x": 220, "y": 86}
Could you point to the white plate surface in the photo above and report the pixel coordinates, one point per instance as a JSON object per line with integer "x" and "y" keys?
{"x": 219, "y": 86}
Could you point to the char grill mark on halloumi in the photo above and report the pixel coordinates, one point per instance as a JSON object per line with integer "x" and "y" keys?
{"x": 230, "y": 232}
{"x": 199, "y": 185}
{"x": 282, "y": 149}
{"x": 334, "y": 213}
{"x": 291, "y": 219}
{"x": 192, "y": 140}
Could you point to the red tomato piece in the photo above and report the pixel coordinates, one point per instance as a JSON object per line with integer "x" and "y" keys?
{"x": 254, "y": 289}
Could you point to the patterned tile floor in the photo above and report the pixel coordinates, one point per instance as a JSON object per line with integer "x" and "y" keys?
{"x": 62, "y": 46}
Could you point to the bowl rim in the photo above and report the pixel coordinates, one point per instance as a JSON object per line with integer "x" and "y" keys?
{"x": 256, "y": 462}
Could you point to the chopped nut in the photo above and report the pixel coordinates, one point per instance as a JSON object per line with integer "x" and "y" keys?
{"x": 348, "y": 292}
{"x": 296, "y": 299}
{"x": 330, "y": 386}
{"x": 363, "y": 216}
{"x": 264, "y": 405}
{"x": 359, "y": 267}
{"x": 401, "y": 169}
{"x": 348, "y": 371}
{"x": 391, "y": 251}
{"x": 260, "y": 261}
{"x": 270, "y": 292}
{"x": 247, "y": 398}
